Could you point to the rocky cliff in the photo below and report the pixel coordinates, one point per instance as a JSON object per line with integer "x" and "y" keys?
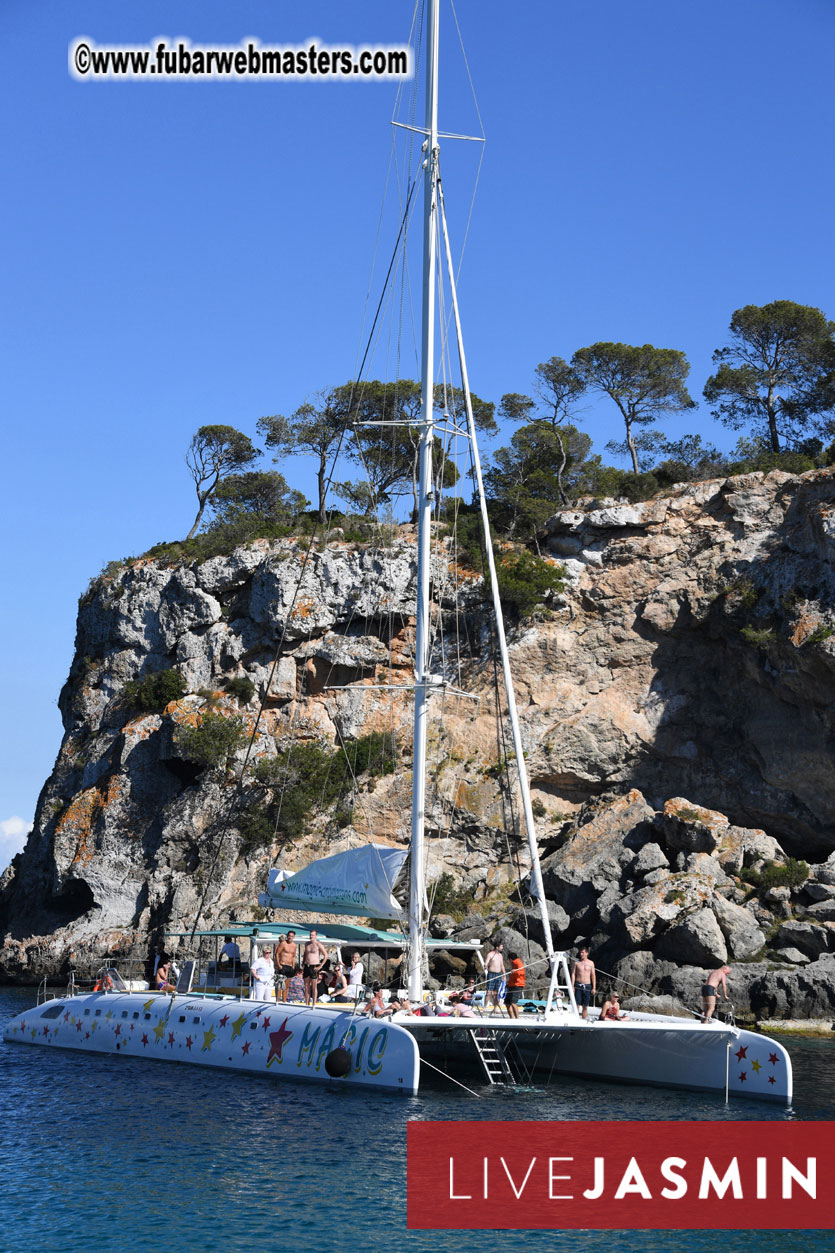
{"x": 676, "y": 706}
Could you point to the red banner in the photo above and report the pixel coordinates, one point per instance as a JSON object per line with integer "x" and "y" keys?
{"x": 621, "y": 1175}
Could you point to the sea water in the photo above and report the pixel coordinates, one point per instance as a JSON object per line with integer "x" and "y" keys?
{"x": 119, "y": 1155}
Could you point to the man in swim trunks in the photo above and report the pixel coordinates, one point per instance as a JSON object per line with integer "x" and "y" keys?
{"x": 495, "y": 974}
{"x": 710, "y": 990}
{"x": 286, "y": 959}
{"x": 315, "y": 956}
{"x": 584, "y": 978}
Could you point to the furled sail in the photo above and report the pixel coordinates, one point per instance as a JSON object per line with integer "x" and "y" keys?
{"x": 360, "y": 881}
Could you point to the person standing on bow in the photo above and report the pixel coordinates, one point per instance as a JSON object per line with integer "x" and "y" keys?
{"x": 584, "y": 978}
{"x": 515, "y": 985}
{"x": 286, "y": 960}
{"x": 494, "y": 965}
{"x": 710, "y": 990}
{"x": 315, "y": 956}
{"x": 263, "y": 976}
{"x": 356, "y": 976}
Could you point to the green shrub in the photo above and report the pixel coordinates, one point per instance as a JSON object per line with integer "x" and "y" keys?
{"x": 242, "y": 688}
{"x": 155, "y": 691}
{"x": 819, "y": 634}
{"x": 256, "y": 825}
{"x": 525, "y": 581}
{"x": 448, "y": 899}
{"x": 213, "y": 741}
{"x": 774, "y": 874}
{"x": 759, "y": 637}
{"x": 309, "y": 774}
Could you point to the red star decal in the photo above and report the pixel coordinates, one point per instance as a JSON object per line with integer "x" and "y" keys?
{"x": 132, "y": 1025}
{"x": 189, "y": 1041}
{"x": 144, "y": 1038}
{"x": 78, "y": 1027}
{"x": 86, "y": 1035}
{"x": 171, "y": 1038}
{"x": 772, "y": 1057}
{"x": 258, "y": 1013}
{"x": 771, "y": 1079}
{"x": 118, "y": 1030}
{"x": 740, "y": 1053}
{"x": 224, "y": 1020}
{"x": 743, "y": 1076}
{"x": 266, "y": 1023}
{"x": 245, "y": 1049}
{"x": 277, "y": 1041}
{"x": 23, "y": 1026}
{"x": 67, "y": 1016}
{"x": 46, "y": 1030}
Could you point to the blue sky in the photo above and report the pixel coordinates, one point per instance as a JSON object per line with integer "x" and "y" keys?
{"x": 179, "y": 253}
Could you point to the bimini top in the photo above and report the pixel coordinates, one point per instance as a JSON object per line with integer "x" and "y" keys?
{"x": 333, "y": 933}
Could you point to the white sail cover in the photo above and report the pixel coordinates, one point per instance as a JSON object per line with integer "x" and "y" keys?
{"x": 359, "y": 882}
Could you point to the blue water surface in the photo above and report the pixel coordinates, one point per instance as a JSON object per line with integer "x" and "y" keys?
{"x": 116, "y": 1154}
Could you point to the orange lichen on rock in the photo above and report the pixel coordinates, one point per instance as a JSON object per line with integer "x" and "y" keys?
{"x": 805, "y": 626}
{"x": 77, "y": 820}
{"x": 304, "y": 607}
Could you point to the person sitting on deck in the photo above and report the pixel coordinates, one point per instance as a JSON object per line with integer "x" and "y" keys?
{"x": 460, "y": 1008}
{"x": 375, "y": 1005}
{"x": 466, "y": 994}
{"x": 337, "y": 987}
{"x": 611, "y": 1009}
{"x": 401, "y": 1005}
{"x": 295, "y": 986}
{"x": 161, "y": 978}
{"x": 230, "y": 952}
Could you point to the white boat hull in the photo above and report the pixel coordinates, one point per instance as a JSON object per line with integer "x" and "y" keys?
{"x": 646, "y": 1049}
{"x": 251, "y": 1037}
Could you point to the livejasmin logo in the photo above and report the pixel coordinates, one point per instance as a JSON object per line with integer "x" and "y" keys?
{"x": 676, "y": 1174}
{"x": 754, "y": 1175}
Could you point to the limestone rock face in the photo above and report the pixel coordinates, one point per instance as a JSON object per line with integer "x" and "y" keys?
{"x": 676, "y": 709}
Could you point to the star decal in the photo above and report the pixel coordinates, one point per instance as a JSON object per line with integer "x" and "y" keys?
{"x": 67, "y": 1016}
{"x": 171, "y": 1038}
{"x": 741, "y": 1052}
{"x": 46, "y": 1030}
{"x": 148, "y": 1004}
{"x": 132, "y": 1025}
{"x": 771, "y": 1079}
{"x": 189, "y": 1041}
{"x": 756, "y": 1067}
{"x": 34, "y": 1033}
{"x": 109, "y": 1014}
{"x": 277, "y": 1041}
{"x": 118, "y": 1030}
{"x": 224, "y": 1020}
{"x": 144, "y": 1038}
{"x": 208, "y": 1039}
{"x": 743, "y": 1076}
{"x": 87, "y": 1035}
{"x": 237, "y": 1025}
{"x": 159, "y": 1030}
{"x": 772, "y": 1057}
{"x": 245, "y": 1048}
{"x": 78, "y": 1026}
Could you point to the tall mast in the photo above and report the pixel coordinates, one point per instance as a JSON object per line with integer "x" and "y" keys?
{"x": 425, "y": 501}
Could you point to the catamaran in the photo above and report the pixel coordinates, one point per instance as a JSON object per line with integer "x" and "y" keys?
{"x": 206, "y": 1021}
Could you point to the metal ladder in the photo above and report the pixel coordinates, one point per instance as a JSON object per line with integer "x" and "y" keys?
{"x": 500, "y": 1068}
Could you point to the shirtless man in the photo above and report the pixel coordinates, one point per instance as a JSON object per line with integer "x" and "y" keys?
{"x": 710, "y": 990}
{"x": 495, "y": 973}
{"x": 584, "y": 978}
{"x": 286, "y": 960}
{"x": 315, "y": 956}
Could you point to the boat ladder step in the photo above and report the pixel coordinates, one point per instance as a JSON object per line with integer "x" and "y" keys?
{"x": 500, "y": 1060}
